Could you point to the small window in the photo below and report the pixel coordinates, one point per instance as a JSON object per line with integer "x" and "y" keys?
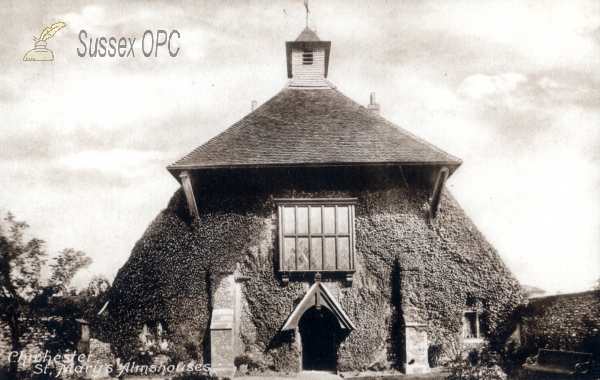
{"x": 471, "y": 325}
{"x": 316, "y": 235}
{"x": 307, "y": 57}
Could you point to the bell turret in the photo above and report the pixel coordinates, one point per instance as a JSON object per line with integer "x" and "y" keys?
{"x": 308, "y": 60}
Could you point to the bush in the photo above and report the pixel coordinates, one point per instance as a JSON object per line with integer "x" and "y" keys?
{"x": 464, "y": 371}
{"x": 480, "y": 362}
{"x": 241, "y": 360}
{"x": 514, "y": 357}
{"x": 252, "y": 364}
{"x": 435, "y": 355}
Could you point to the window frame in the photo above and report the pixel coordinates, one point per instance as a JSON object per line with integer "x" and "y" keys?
{"x": 478, "y": 338}
{"x": 317, "y": 202}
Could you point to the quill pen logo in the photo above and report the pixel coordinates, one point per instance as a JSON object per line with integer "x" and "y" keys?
{"x": 40, "y": 52}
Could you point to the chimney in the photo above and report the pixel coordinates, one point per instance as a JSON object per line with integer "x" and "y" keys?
{"x": 253, "y": 105}
{"x": 373, "y": 107}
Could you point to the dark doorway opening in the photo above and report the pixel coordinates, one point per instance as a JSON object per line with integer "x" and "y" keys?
{"x": 319, "y": 333}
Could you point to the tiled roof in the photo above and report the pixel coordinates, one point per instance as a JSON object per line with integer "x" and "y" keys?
{"x": 311, "y": 128}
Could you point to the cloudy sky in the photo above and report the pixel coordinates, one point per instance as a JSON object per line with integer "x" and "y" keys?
{"x": 510, "y": 87}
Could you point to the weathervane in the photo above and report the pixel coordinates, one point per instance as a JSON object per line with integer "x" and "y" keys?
{"x": 307, "y": 11}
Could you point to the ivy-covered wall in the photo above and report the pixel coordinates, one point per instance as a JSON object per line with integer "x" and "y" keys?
{"x": 169, "y": 274}
{"x": 567, "y": 322}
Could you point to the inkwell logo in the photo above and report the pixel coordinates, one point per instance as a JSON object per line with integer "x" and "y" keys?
{"x": 41, "y": 53}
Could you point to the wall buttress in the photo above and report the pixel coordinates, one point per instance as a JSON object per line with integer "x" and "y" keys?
{"x": 414, "y": 315}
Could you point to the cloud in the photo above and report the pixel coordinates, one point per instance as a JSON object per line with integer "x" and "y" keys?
{"x": 124, "y": 162}
{"x": 481, "y": 86}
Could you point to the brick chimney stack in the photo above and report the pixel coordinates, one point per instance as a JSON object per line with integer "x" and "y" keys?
{"x": 373, "y": 107}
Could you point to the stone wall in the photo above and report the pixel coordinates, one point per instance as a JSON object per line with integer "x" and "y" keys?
{"x": 166, "y": 276}
{"x": 32, "y": 341}
{"x": 568, "y": 322}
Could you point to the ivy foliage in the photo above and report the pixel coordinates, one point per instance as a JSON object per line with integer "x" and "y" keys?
{"x": 173, "y": 268}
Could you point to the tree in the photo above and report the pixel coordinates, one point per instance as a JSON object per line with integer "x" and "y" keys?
{"x": 20, "y": 267}
{"x": 91, "y": 300}
{"x": 97, "y": 287}
{"x": 66, "y": 265}
{"x": 21, "y": 283}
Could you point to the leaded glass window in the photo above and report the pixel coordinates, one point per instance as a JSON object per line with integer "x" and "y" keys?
{"x": 316, "y": 235}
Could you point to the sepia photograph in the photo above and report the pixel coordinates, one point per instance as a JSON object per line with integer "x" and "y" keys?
{"x": 300, "y": 189}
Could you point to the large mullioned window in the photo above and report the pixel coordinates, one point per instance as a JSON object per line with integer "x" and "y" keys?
{"x": 316, "y": 235}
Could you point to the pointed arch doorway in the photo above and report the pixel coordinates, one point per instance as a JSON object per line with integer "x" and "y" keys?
{"x": 319, "y": 333}
{"x": 322, "y": 324}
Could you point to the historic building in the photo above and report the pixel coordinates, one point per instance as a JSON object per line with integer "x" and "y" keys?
{"x": 312, "y": 234}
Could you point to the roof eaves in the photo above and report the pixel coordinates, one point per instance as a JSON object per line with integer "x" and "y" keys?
{"x": 311, "y": 164}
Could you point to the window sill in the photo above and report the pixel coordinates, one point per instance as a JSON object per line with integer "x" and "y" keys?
{"x": 319, "y": 271}
{"x": 304, "y": 274}
{"x": 473, "y": 340}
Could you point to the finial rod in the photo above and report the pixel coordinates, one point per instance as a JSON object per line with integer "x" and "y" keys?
{"x": 307, "y": 11}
